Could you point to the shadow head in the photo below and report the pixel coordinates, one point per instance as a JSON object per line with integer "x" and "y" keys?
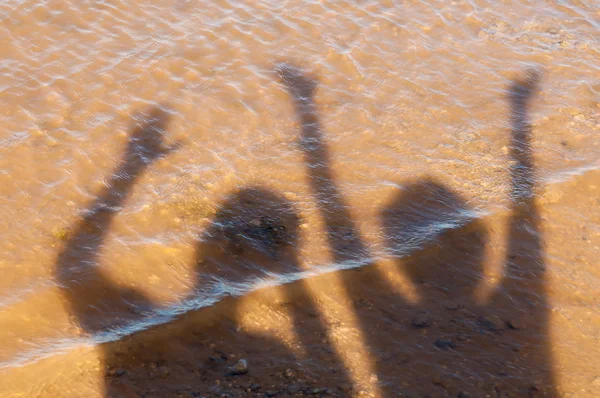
{"x": 254, "y": 231}
{"x": 436, "y": 237}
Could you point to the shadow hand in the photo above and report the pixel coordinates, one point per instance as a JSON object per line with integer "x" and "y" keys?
{"x": 524, "y": 87}
{"x": 146, "y": 141}
{"x": 301, "y": 87}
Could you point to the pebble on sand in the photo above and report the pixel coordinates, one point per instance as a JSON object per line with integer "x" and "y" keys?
{"x": 422, "y": 319}
{"x": 492, "y": 323}
{"x": 240, "y": 368}
{"x": 445, "y": 344}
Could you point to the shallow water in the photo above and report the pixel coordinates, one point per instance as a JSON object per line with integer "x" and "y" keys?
{"x": 406, "y": 90}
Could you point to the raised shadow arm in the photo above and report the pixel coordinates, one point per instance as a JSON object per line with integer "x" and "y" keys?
{"x": 341, "y": 231}
{"x": 90, "y": 295}
{"x": 525, "y": 263}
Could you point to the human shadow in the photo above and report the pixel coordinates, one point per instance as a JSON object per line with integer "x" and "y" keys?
{"x": 253, "y": 236}
{"x": 448, "y": 344}
{"x": 501, "y": 348}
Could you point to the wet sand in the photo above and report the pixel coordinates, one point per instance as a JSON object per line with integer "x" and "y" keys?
{"x": 299, "y": 339}
{"x": 192, "y": 355}
{"x": 402, "y": 161}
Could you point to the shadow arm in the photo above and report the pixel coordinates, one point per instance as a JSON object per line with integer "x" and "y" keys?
{"x": 342, "y": 233}
{"x": 524, "y": 265}
{"x": 89, "y": 293}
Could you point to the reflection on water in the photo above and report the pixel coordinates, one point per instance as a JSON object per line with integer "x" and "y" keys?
{"x": 402, "y": 169}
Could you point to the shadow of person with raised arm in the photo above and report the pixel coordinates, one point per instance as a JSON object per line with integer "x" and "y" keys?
{"x": 254, "y": 235}
{"x": 210, "y": 352}
{"x": 462, "y": 347}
